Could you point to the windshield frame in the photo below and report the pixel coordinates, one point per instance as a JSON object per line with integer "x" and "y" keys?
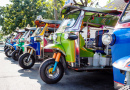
{"x": 24, "y": 35}
{"x": 120, "y": 20}
{"x": 34, "y": 33}
{"x": 65, "y": 30}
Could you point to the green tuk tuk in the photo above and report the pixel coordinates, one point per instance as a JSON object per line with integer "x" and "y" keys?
{"x": 70, "y": 48}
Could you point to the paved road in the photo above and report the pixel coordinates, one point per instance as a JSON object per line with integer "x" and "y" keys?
{"x": 12, "y": 77}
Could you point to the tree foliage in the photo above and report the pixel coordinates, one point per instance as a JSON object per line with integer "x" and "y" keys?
{"x": 23, "y": 12}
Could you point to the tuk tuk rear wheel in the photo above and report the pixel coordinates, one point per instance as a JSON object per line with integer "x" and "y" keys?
{"x": 46, "y": 73}
{"x": 24, "y": 63}
{"x": 127, "y": 87}
{"x": 16, "y": 54}
{"x": 8, "y": 52}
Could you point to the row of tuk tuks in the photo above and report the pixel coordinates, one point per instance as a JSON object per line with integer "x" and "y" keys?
{"x": 68, "y": 44}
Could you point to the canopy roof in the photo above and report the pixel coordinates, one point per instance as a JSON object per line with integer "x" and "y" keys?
{"x": 68, "y": 9}
{"x": 30, "y": 28}
{"x": 49, "y": 21}
{"x": 96, "y": 17}
{"x": 20, "y": 31}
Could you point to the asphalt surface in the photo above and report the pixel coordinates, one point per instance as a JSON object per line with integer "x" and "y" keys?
{"x": 13, "y": 77}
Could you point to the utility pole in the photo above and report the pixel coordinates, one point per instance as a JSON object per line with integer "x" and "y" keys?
{"x": 55, "y": 11}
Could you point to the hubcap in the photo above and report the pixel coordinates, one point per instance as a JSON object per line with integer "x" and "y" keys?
{"x": 51, "y": 74}
{"x": 9, "y": 52}
{"x": 26, "y": 62}
{"x": 16, "y": 55}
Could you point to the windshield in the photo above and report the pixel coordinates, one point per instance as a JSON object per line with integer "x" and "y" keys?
{"x": 66, "y": 23}
{"x": 37, "y": 32}
{"x": 24, "y": 34}
{"x": 31, "y": 32}
{"x": 16, "y": 35}
{"x": 126, "y": 14}
{"x": 69, "y": 21}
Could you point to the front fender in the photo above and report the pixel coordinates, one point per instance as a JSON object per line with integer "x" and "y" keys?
{"x": 123, "y": 63}
{"x": 16, "y": 45}
{"x": 26, "y": 45}
{"x": 56, "y": 47}
{"x": 9, "y": 44}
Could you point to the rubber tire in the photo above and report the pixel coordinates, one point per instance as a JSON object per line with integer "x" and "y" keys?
{"x": 7, "y": 52}
{"x": 21, "y": 61}
{"x": 13, "y": 55}
{"x": 42, "y": 70}
{"x": 5, "y": 48}
{"x": 127, "y": 87}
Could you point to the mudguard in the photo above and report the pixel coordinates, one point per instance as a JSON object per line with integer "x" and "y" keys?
{"x": 123, "y": 63}
{"x": 26, "y": 45}
{"x": 9, "y": 44}
{"x": 16, "y": 45}
{"x": 56, "y": 47}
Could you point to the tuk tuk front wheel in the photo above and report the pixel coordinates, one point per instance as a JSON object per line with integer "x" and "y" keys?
{"x": 46, "y": 73}
{"x": 8, "y": 52}
{"x": 16, "y": 54}
{"x": 24, "y": 62}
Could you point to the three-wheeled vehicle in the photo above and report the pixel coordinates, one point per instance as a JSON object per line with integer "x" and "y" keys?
{"x": 120, "y": 49}
{"x": 24, "y": 39}
{"x": 70, "y": 49}
{"x": 7, "y": 41}
{"x": 35, "y": 50}
{"x": 12, "y": 42}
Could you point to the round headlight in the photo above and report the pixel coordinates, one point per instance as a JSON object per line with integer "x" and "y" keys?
{"x": 66, "y": 35}
{"x": 54, "y": 37}
{"x": 106, "y": 39}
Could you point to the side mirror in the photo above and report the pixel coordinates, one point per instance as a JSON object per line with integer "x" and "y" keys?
{"x": 126, "y": 1}
{"x": 81, "y": 31}
{"x": 72, "y": 36}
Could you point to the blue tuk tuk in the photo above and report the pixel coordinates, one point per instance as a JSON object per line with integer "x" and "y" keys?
{"x": 119, "y": 42}
{"x": 7, "y": 40}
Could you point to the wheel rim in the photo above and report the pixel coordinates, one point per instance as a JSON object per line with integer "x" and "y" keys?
{"x": 9, "y": 52}
{"x": 16, "y": 55}
{"x": 49, "y": 73}
{"x": 26, "y": 62}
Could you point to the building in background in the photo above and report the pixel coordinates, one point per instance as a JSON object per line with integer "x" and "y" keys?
{"x": 116, "y": 4}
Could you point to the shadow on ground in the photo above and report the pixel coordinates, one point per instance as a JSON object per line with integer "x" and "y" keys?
{"x": 74, "y": 81}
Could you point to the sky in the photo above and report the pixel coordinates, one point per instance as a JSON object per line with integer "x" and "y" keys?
{"x": 4, "y": 2}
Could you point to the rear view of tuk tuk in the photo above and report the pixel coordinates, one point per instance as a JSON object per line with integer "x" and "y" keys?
{"x": 72, "y": 50}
